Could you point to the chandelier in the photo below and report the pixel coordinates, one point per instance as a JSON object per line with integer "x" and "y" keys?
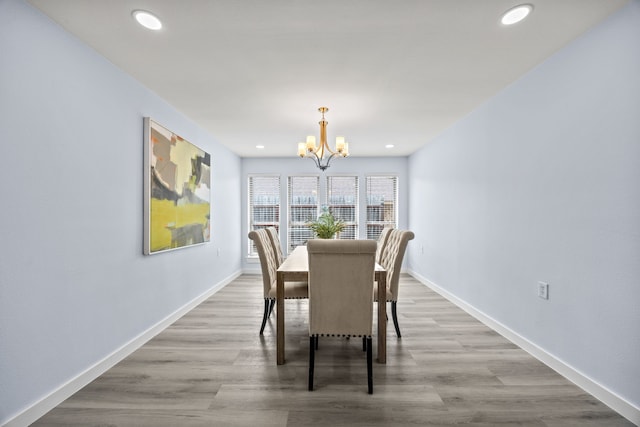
{"x": 322, "y": 154}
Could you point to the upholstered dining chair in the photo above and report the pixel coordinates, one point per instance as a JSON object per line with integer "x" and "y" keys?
{"x": 275, "y": 241}
{"x": 391, "y": 259}
{"x": 269, "y": 267}
{"x": 341, "y": 274}
{"x": 382, "y": 241}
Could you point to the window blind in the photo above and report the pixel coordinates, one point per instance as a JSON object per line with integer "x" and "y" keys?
{"x": 382, "y": 204}
{"x": 303, "y": 207}
{"x": 342, "y": 200}
{"x": 264, "y": 204}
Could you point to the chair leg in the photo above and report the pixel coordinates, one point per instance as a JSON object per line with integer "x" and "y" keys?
{"x": 265, "y": 315}
{"x": 312, "y": 348}
{"x": 369, "y": 366}
{"x": 364, "y": 343}
{"x": 394, "y": 314}
{"x": 271, "y": 307}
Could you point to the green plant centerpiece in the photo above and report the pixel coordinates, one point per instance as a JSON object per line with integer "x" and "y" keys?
{"x": 326, "y": 226}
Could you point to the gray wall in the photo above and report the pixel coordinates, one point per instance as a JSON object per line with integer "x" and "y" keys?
{"x": 285, "y": 167}
{"x": 542, "y": 183}
{"x": 74, "y": 285}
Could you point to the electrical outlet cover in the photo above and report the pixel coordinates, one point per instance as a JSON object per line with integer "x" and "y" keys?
{"x": 543, "y": 290}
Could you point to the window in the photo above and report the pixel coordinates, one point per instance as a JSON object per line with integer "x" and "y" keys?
{"x": 382, "y": 204}
{"x": 342, "y": 200}
{"x": 264, "y": 204}
{"x": 303, "y": 207}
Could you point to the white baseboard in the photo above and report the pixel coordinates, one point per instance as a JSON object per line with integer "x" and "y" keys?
{"x": 606, "y": 396}
{"x": 47, "y": 403}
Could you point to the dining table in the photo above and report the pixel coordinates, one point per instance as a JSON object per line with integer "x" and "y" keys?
{"x": 296, "y": 268}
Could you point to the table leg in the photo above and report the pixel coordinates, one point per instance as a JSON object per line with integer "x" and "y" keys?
{"x": 280, "y": 318}
{"x": 382, "y": 317}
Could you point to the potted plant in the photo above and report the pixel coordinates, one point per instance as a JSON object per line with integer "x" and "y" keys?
{"x": 326, "y": 226}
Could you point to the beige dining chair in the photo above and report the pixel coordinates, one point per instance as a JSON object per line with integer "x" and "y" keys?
{"x": 269, "y": 267}
{"x": 382, "y": 241}
{"x": 391, "y": 259}
{"x": 341, "y": 274}
{"x": 275, "y": 241}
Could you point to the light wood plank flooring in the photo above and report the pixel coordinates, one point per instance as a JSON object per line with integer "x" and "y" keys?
{"x": 211, "y": 368}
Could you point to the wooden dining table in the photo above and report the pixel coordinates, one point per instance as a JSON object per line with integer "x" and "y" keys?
{"x": 296, "y": 268}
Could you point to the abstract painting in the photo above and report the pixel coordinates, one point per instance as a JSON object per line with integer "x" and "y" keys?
{"x": 177, "y": 191}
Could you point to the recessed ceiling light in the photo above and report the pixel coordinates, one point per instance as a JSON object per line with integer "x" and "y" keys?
{"x": 389, "y": 146}
{"x": 147, "y": 19}
{"x": 260, "y": 147}
{"x": 516, "y": 14}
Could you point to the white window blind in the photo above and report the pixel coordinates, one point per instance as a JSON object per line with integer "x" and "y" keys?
{"x": 382, "y": 204}
{"x": 342, "y": 200}
{"x": 303, "y": 207}
{"x": 264, "y": 204}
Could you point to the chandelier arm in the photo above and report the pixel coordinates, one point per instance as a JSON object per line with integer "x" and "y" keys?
{"x": 318, "y": 160}
{"x": 327, "y": 148}
{"x": 329, "y": 160}
{"x": 323, "y": 134}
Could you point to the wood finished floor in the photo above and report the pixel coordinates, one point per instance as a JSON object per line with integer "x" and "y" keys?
{"x": 211, "y": 368}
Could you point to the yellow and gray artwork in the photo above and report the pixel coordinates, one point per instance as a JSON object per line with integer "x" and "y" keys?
{"x": 179, "y": 191}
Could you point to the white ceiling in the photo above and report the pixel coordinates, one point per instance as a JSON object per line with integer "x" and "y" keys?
{"x": 255, "y": 71}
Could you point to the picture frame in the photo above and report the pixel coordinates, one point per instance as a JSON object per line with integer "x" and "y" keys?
{"x": 177, "y": 191}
